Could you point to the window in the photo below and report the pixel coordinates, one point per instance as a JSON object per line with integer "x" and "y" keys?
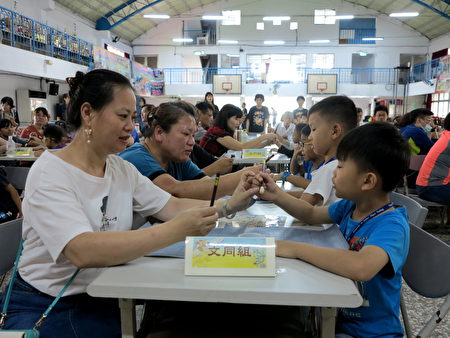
{"x": 229, "y": 60}
{"x": 440, "y": 104}
{"x": 324, "y": 16}
{"x": 231, "y": 18}
{"x": 270, "y": 68}
{"x": 323, "y": 61}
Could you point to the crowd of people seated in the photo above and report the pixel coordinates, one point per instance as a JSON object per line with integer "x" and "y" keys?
{"x": 80, "y": 197}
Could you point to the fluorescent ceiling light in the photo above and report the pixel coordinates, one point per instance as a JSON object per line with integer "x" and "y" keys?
{"x": 213, "y": 17}
{"x": 344, "y": 17}
{"x": 233, "y": 55}
{"x": 182, "y": 40}
{"x": 276, "y": 18}
{"x": 404, "y": 15}
{"x": 260, "y": 26}
{"x": 199, "y": 52}
{"x": 372, "y": 39}
{"x": 319, "y": 41}
{"x": 293, "y": 25}
{"x": 361, "y": 53}
{"x": 274, "y": 42}
{"x": 156, "y": 16}
{"x": 229, "y": 42}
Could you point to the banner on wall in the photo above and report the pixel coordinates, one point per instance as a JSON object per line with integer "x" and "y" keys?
{"x": 148, "y": 81}
{"x": 107, "y": 60}
{"x": 443, "y": 80}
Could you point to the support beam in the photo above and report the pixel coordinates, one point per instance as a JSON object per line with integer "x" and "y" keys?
{"x": 104, "y": 24}
{"x": 445, "y": 15}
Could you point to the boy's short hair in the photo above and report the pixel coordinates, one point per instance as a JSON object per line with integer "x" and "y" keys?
{"x": 380, "y": 107}
{"x": 447, "y": 122}
{"x": 339, "y": 109}
{"x": 300, "y": 98}
{"x": 378, "y": 147}
{"x": 204, "y": 106}
{"x": 259, "y": 96}
{"x": 55, "y": 133}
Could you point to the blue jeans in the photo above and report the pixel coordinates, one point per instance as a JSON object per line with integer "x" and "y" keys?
{"x": 438, "y": 194}
{"x": 73, "y": 316}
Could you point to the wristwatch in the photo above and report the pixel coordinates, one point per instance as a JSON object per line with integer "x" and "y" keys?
{"x": 285, "y": 175}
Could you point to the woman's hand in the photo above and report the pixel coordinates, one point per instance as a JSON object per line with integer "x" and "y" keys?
{"x": 196, "y": 222}
{"x": 223, "y": 165}
{"x": 242, "y": 195}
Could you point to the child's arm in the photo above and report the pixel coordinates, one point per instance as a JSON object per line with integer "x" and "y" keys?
{"x": 357, "y": 265}
{"x": 15, "y": 197}
{"x": 299, "y": 209}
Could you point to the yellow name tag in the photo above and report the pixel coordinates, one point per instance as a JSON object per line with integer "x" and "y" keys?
{"x": 250, "y": 153}
{"x": 230, "y": 256}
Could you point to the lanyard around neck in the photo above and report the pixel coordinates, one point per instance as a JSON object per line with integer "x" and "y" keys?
{"x": 367, "y": 218}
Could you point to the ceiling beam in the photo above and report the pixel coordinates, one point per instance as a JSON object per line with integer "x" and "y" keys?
{"x": 104, "y": 24}
{"x": 445, "y": 15}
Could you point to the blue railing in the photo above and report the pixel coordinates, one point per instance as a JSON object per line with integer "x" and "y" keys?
{"x": 344, "y": 75}
{"x": 20, "y": 31}
{"x": 426, "y": 71}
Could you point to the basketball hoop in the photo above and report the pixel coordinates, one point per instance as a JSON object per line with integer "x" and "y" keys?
{"x": 322, "y": 86}
{"x": 227, "y": 86}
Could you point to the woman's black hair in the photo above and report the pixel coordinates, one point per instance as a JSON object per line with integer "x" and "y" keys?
{"x": 168, "y": 114}
{"x": 227, "y": 111}
{"x": 5, "y": 123}
{"x": 43, "y": 110}
{"x": 209, "y": 93}
{"x": 413, "y": 115}
{"x": 8, "y": 100}
{"x": 96, "y": 88}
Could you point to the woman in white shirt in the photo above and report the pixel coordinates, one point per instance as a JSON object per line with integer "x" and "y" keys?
{"x": 78, "y": 211}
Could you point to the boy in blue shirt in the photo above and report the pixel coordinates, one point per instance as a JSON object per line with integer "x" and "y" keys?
{"x": 372, "y": 159}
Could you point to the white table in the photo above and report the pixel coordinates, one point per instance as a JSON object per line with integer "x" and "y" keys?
{"x": 18, "y": 158}
{"x": 297, "y": 283}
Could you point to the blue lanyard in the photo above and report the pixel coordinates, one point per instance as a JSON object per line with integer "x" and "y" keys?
{"x": 367, "y": 218}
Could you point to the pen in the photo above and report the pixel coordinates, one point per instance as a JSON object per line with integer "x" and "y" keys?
{"x": 216, "y": 185}
{"x": 269, "y": 158}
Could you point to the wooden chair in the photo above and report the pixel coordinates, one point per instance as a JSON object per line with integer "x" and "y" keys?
{"x": 427, "y": 272}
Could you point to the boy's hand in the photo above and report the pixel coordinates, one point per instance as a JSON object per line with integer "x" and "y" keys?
{"x": 269, "y": 188}
{"x": 286, "y": 249}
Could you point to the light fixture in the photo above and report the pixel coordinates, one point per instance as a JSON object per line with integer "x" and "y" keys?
{"x": 228, "y": 42}
{"x": 373, "y": 39}
{"x": 182, "y": 40}
{"x": 404, "y": 14}
{"x": 293, "y": 25}
{"x": 274, "y": 42}
{"x": 199, "y": 52}
{"x": 213, "y": 17}
{"x": 362, "y": 53}
{"x": 156, "y": 16}
{"x": 344, "y": 17}
{"x": 260, "y": 26}
{"x": 233, "y": 55}
{"x": 276, "y": 18}
{"x": 319, "y": 41}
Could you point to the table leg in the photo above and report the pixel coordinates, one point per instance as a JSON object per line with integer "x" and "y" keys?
{"x": 328, "y": 321}
{"x": 128, "y": 317}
